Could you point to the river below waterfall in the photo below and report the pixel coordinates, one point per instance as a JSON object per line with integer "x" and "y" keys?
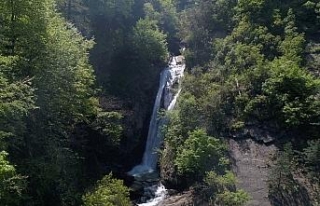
{"x": 160, "y": 194}
{"x": 168, "y": 92}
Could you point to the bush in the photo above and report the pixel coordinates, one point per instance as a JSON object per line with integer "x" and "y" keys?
{"x": 292, "y": 93}
{"x": 108, "y": 192}
{"x": 201, "y": 153}
{"x": 238, "y": 198}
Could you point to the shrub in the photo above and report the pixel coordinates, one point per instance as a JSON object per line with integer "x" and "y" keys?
{"x": 201, "y": 153}
{"x": 108, "y": 192}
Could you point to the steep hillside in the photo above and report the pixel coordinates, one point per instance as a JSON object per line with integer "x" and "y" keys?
{"x": 78, "y": 80}
{"x": 253, "y": 82}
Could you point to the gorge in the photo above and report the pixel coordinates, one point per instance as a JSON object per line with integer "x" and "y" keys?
{"x": 82, "y": 103}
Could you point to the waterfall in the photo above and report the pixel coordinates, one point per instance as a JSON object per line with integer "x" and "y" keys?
{"x": 168, "y": 91}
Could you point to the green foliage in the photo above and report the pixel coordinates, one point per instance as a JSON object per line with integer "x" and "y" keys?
{"x": 293, "y": 44}
{"x": 149, "y": 41}
{"x": 311, "y": 156}
{"x": 251, "y": 72}
{"x": 11, "y": 184}
{"x": 108, "y": 192}
{"x": 109, "y": 125}
{"x": 221, "y": 189}
{"x": 200, "y": 153}
{"x": 219, "y": 183}
{"x": 188, "y": 110}
{"x": 19, "y": 19}
{"x": 291, "y": 93}
{"x": 113, "y": 8}
{"x": 202, "y": 160}
{"x": 256, "y": 73}
{"x": 66, "y": 67}
{"x": 50, "y": 120}
{"x": 47, "y": 91}
{"x": 280, "y": 177}
{"x": 165, "y": 14}
{"x": 238, "y": 198}
{"x": 65, "y": 97}
{"x": 201, "y": 24}
{"x": 16, "y": 101}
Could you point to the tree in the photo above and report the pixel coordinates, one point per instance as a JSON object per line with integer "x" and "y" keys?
{"x": 312, "y": 158}
{"x": 77, "y": 12}
{"x": 280, "y": 177}
{"x": 12, "y": 185}
{"x": 200, "y": 153}
{"x": 66, "y": 98}
{"x": 149, "y": 41}
{"x": 108, "y": 192}
{"x": 165, "y": 14}
{"x": 188, "y": 113}
{"x": 291, "y": 93}
{"x": 19, "y": 19}
{"x": 47, "y": 86}
{"x": 16, "y": 101}
{"x": 201, "y": 24}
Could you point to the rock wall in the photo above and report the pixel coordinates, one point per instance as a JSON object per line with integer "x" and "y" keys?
{"x": 251, "y": 164}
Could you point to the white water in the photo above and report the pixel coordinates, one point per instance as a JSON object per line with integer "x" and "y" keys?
{"x": 169, "y": 81}
{"x": 160, "y": 194}
{"x": 169, "y": 78}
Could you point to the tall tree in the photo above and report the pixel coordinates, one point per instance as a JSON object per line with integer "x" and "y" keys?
{"x": 41, "y": 46}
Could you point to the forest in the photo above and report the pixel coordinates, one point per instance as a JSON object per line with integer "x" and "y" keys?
{"x": 78, "y": 80}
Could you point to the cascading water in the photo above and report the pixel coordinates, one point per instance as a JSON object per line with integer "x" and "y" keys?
{"x": 168, "y": 91}
{"x": 169, "y": 78}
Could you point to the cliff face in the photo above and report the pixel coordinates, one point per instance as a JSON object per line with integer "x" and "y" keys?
{"x": 251, "y": 162}
{"x": 136, "y": 115}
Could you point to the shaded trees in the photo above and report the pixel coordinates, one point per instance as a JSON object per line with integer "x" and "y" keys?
{"x": 16, "y": 101}
{"x": 46, "y": 91}
{"x": 51, "y": 123}
{"x": 149, "y": 42}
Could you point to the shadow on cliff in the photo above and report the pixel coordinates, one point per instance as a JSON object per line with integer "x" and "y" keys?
{"x": 297, "y": 195}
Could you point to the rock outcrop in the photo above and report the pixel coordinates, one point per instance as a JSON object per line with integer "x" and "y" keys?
{"x": 250, "y": 162}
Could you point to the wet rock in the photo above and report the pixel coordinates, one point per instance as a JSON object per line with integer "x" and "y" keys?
{"x": 182, "y": 199}
{"x": 172, "y": 192}
{"x": 148, "y": 177}
{"x": 143, "y": 199}
{"x": 144, "y": 186}
{"x": 137, "y": 186}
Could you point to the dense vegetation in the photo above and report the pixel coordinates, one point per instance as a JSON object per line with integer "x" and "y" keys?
{"x": 78, "y": 79}
{"x": 253, "y": 73}
{"x": 55, "y": 131}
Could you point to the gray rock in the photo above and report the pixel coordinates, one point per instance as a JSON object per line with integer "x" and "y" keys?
{"x": 251, "y": 164}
